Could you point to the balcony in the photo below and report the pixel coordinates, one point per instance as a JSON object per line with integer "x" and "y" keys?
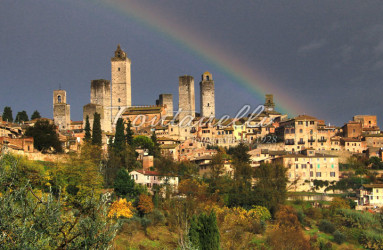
{"x": 311, "y": 140}
{"x": 301, "y": 142}
{"x": 322, "y": 140}
{"x": 289, "y": 142}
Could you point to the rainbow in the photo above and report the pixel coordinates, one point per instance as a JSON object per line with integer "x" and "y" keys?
{"x": 224, "y": 61}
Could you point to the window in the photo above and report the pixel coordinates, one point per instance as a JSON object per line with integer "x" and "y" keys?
{"x": 312, "y": 123}
{"x": 208, "y": 104}
{"x": 311, "y": 174}
{"x": 119, "y": 99}
{"x": 318, "y": 174}
{"x": 301, "y": 131}
{"x": 318, "y": 165}
{"x": 300, "y": 123}
{"x": 59, "y": 98}
{"x": 118, "y": 69}
{"x": 296, "y": 166}
{"x": 207, "y": 78}
{"x": 304, "y": 166}
{"x": 332, "y": 174}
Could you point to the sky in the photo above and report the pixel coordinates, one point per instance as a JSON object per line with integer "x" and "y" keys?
{"x": 320, "y": 58}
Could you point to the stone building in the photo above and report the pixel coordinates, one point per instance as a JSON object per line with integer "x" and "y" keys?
{"x": 61, "y": 110}
{"x": 186, "y": 103}
{"x": 108, "y": 97}
{"x": 207, "y": 95}
{"x": 166, "y": 100}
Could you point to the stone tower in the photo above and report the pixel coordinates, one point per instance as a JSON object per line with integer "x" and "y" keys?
{"x": 61, "y": 110}
{"x": 166, "y": 99}
{"x": 99, "y": 102}
{"x": 207, "y": 95}
{"x": 186, "y": 102}
{"x": 121, "y": 81}
{"x": 269, "y": 103}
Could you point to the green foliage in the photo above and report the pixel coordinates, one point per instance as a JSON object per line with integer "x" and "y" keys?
{"x": 155, "y": 151}
{"x": 31, "y": 219}
{"x": 357, "y": 219}
{"x": 371, "y": 240}
{"x": 270, "y": 188}
{"x": 97, "y": 133}
{"x": 7, "y": 114}
{"x": 339, "y": 238}
{"x": 129, "y": 134}
{"x": 204, "y": 232}
{"x": 143, "y": 142}
{"x": 44, "y": 136}
{"x": 375, "y": 162}
{"x": 240, "y": 153}
{"x": 124, "y": 184}
{"x": 119, "y": 138}
{"x": 35, "y": 115}
{"x": 88, "y": 136}
{"x": 22, "y": 116}
{"x": 326, "y": 226}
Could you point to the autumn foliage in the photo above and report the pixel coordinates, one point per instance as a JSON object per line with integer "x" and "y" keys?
{"x": 121, "y": 208}
{"x": 145, "y": 204}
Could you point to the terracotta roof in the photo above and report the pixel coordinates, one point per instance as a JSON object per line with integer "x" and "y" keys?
{"x": 350, "y": 139}
{"x": 305, "y": 117}
{"x": 379, "y": 185}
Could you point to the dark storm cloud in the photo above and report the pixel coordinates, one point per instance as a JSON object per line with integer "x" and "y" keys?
{"x": 328, "y": 55}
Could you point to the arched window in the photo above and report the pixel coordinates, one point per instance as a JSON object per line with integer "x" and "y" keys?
{"x": 207, "y": 78}
{"x": 59, "y": 98}
{"x": 119, "y": 99}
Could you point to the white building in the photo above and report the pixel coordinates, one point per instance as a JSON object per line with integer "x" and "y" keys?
{"x": 152, "y": 178}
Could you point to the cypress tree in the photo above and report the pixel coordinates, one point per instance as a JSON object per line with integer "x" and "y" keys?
{"x": 129, "y": 134}
{"x": 35, "y": 115}
{"x": 97, "y": 133}
{"x": 204, "y": 232}
{"x": 7, "y": 114}
{"x": 119, "y": 138}
{"x": 156, "y": 147}
{"x": 88, "y": 136}
{"x": 22, "y": 116}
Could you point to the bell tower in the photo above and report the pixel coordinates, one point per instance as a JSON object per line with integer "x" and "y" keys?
{"x": 121, "y": 82}
{"x": 61, "y": 110}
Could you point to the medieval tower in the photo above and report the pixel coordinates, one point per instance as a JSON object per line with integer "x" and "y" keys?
{"x": 108, "y": 97}
{"x": 121, "y": 94}
{"x": 207, "y": 100}
{"x": 167, "y": 101}
{"x": 61, "y": 110}
{"x": 269, "y": 103}
{"x": 186, "y": 102}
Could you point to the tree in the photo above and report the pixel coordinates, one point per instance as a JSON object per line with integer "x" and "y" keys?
{"x": 204, "y": 232}
{"x": 155, "y": 151}
{"x": 288, "y": 233}
{"x": 31, "y": 219}
{"x": 7, "y": 114}
{"x": 121, "y": 208}
{"x": 35, "y": 115}
{"x": 270, "y": 188}
{"x": 124, "y": 184}
{"x": 143, "y": 142}
{"x": 44, "y": 136}
{"x": 88, "y": 136}
{"x": 97, "y": 133}
{"x": 119, "y": 137}
{"x": 129, "y": 133}
{"x": 22, "y": 117}
{"x": 145, "y": 204}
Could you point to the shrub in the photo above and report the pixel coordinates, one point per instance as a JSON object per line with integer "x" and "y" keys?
{"x": 371, "y": 240}
{"x": 314, "y": 213}
{"x": 357, "y": 219}
{"x": 339, "y": 238}
{"x": 326, "y": 226}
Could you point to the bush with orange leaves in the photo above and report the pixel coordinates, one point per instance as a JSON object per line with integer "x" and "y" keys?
{"x": 145, "y": 204}
{"x": 121, "y": 208}
{"x": 287, "y": 233}
{"x": 193, "y": 189}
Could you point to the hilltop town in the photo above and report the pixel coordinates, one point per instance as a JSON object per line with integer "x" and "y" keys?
{"x": 319, "y": 159}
